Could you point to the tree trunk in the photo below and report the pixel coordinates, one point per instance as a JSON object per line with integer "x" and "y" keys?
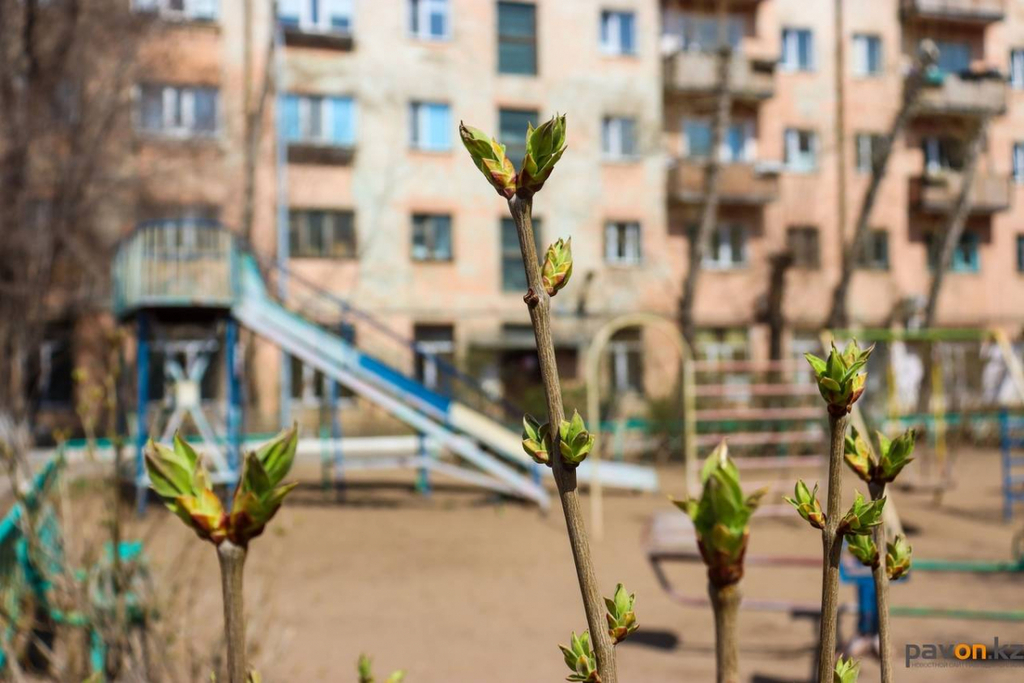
{"x": 709, "y": 214}
{"x": 539, "y": 304}
{"x": 725, "y": 601}
{"x": 839, "y": 316}
{"x": 878, "y": 572}
{"x": 832, "y": 547}
{"x": 774, "y": 313}
{"x": 951, "y": 234}
{"x": 232, "y": 565}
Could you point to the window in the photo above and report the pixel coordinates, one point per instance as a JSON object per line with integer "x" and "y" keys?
{"x": 618, "y": 33}
{"x": 1018, "y": 163}
{"x": 321, "y": 234}
{"x": 722, "y": 344}
{"x": 797, "y": 49}
{"x": 430, "y": 126}
{"x": 1020, "y": 253}
{"x": 1017, "y": 69}
{"x": 324, "y": 16}
{"x": 698, "y": 32}
{"x": 626, "y": 357}
{"x": 310, "y": 387}
{"x": 319, "y": 120}
{"x": 512, "y": 124}
{"x": 198, "y": 10}
{"x": 804, "y": 245}
{"x": 431, "y": 237}
{"x": 942, "y": 154}
{"x": 517, "y": 38}
{"x": 181, "y": 111}
{"x": 965, "y": 255}
{"x": 874, "y": 254}
{"x": 801, "y": 150}
{"x": 513, "y": 275}
{"x": 54, "y": 380}
{"x": 618, "y": 137}
{"x": 867, "y": 55}
{"x": 436, "y": 347}
{"x": 429, "y": 19}
{"x": 954, "y": 58}
{"x": 622, "y": 243}
{"x": 727, "y": 247}
{"x": 869, "y": 150}
{"x": 697, "y": 135}
{"x": 737, "y": 146}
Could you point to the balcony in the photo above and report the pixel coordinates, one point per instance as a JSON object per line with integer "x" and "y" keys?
{"x": 294, "y": 36}
{"x": 689, "y": 72}
{"x": 966, "y": 94}
{"x": 739, "y": 183}
{"x": 961, "y": 11}
{"x": 320, "y": 154}
{"x": 938, "y": 193}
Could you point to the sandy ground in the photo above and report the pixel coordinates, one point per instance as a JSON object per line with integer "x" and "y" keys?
{"x": 460, "y": 587}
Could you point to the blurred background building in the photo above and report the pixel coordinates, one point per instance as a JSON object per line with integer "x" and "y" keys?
{"x": 327, "y": 137}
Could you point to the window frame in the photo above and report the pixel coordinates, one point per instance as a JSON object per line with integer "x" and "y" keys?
{"x": 320, "y": 21}
{"x": 305, "y": 104}
{"x": 1017, "y": 163}
{"x": 623, "y": 243}
{"x": 968, "y": 238}
{"x": 191, "y": 10}
{"x": 865, "y": 258}
{"x": 614, "y": 138}
{"x": 611, "y": 26}
{"x": 725, "y": 233}
{"x": 1016, "y": 70}
{"x": 420, "y": 14}
{"x": 1020, "y": 253}
{"x": 798, "y": 164}
{"x": 419, "y": 126}
{"x": 791, "y": 50}
{"x": 518, "y": 39}
{"x": 860, "y": 64}
{"x": 301, "y": 233}
{"x": 177, "y": 101}
{"x": 795, "y": 233}
{"x": 430, "y": 219}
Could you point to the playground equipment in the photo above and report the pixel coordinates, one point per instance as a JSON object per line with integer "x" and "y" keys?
{"x": 974, "y": 374}
{"x": 196, "y": 272}
{"x": 28, "y": 566}
{"x": 1013, "y": 465}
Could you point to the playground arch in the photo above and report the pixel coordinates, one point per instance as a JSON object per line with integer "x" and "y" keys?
{"x": 592, "y": 374}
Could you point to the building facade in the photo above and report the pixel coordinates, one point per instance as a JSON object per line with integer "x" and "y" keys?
{"x": 363, "y": 188}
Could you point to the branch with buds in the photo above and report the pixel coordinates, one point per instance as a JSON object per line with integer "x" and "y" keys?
{"x": 876, "y": 472}
{"x": 178, "y": 475}
{"x": 568, "y": 439}
{"x": 840, "y": 383}
{"x": 721, "y": 519}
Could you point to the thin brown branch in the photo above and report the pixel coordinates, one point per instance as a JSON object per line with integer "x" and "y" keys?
{"x": 878, "y": 572}
{"x": 725, "y": 602}
{"x": 539, "y": 304}
{"x": 832, "y": 547}
{"x": 232, "y": 565}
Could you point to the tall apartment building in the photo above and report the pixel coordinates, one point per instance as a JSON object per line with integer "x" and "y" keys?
{"x": 364, "y": 188}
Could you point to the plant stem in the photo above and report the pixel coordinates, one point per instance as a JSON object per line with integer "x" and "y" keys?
{"x": 539, "y": 304}
{"x": 232, "y": 564}
{"x": 725, "y": 601}
{"x": 832, "y": 547}
{"x": 882, "y": 593}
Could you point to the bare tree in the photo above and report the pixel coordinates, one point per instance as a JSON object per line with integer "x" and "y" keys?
{"x": 709, "y": 213}
{"x": 65, "y": 99}
{"x": 838, "y": 315}
{"x": 255, "y": 109}
{"x": 956, "y": 220}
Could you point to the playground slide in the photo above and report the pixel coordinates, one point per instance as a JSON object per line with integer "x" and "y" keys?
{"x": 460, "y": 428}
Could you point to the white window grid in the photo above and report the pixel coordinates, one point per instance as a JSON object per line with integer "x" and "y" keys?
{"x": 622, "y": 243}
{"x": 420, "y": 14}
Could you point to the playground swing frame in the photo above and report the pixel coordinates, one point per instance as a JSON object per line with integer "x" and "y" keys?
{"x": 594, "y": 354}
